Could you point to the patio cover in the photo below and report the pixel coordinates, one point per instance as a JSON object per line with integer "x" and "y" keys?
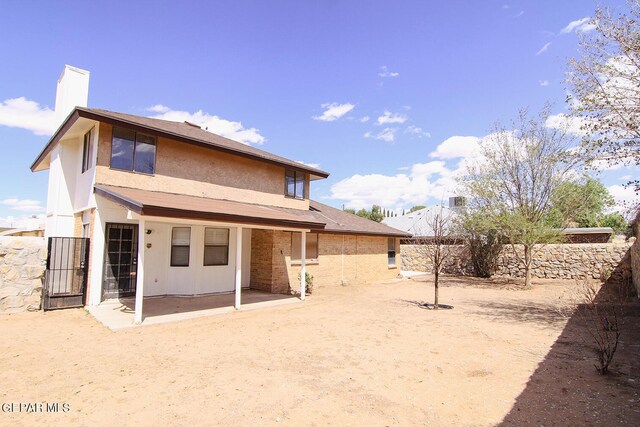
{"x": 154, "y": 203}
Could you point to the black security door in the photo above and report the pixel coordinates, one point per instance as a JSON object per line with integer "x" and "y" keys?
{"x": 120, "y": 261}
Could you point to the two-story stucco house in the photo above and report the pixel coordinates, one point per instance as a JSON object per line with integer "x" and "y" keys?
{"x": 171, "y": 209}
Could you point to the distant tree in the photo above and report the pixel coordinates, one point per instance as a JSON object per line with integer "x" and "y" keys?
{"x": 605, "y": 85}
{"x": 579, "y": 204}
{"x": 616, "y": 221}
{"x": 514, "y": 179}
{"x": 375, "y": 214}
{"x": 349, "y": 210}
{"x": 416, "y": 208}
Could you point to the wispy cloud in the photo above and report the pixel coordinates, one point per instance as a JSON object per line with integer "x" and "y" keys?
{"x": 543, "y": 82}
{"x": 23, "y": 205}
{"x": 417, "y": 132}
{"x": 519, "y": 14}
{"x": 579, "y": 26}
{"x": 311, "y": 165}
{"x": 227, "y": 128}
{"x": 385, "y": 72}
{"x": 543, "y": 49}
{"x": 386, "y": 134}
{"x": 333, "y": 111}
{"x": 364, "y": 119}
{"x": 26, "y": 114}
{"x": 388, "y": 118}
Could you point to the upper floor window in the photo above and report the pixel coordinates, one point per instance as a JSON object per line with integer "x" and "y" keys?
{"x": 133, "y": 151}
{"x": 87, "y": 152}
{"x": 294, "y": 184}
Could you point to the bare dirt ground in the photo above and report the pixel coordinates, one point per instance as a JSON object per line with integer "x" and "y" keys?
{"x": 360, "y": 355}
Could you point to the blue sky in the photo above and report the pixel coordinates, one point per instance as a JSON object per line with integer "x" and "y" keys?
{"x": 368, "y": 91}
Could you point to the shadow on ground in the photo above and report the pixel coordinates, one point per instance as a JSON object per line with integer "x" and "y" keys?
{"x": 565, "y": 389}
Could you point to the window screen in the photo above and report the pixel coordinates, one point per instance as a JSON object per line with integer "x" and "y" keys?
{"x": 180, "y": 246}
{"x": 216, "y": 246}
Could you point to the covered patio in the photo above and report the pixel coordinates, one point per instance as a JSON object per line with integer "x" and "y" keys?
{"x": 158, "y": 291}
{"x": 120, "y": 313}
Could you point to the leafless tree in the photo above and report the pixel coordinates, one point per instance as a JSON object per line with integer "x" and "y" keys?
{"x": 436, "y": 242}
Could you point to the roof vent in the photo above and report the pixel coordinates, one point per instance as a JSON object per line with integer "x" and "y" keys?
{"x": 193, "y": 124}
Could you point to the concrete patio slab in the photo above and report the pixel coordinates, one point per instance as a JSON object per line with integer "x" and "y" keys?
{"x": 119, "y": 313}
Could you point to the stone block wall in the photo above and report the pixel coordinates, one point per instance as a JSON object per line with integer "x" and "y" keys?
{"x": 22, "y": 265}
{"x": 561, "y": 261}
{"x": 635, "y": 256}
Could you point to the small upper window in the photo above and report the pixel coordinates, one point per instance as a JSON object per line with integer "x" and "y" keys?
{"x": 133, "y": 151}
{"x": 294, "y": 184}
{"x": 87, "y": 152}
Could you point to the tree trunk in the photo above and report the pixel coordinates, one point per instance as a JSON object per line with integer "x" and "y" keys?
{"x": 435, "y": 300}
{"x": 527, "y": 266}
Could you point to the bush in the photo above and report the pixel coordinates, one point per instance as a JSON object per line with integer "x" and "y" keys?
{"x": 308, "y": 279}
{"x": 484, "y": 250}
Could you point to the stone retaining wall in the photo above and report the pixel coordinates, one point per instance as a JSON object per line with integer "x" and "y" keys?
{"x": 22, "y": 265}
{"x": 563, "y": 261}
{"x": 635, "y": 256}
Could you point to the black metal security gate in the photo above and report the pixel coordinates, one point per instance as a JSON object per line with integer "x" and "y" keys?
{"x": 65, "y": 279}
{"x": 120, "y": 261}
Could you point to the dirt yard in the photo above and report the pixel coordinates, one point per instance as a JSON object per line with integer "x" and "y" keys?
{"x": 347, "y": 356}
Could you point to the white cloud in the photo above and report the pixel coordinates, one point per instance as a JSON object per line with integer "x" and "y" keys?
{"x": 626, "y": 178}
{"x": 311, "y": 165}
{"x": 570, "y": 124}
{"x": 519, "y": 14}
{"x": 417, "y": 132}
{"x": 384, "y": 72}
{"x": 543, "y": 49}
{"x": 579, "y": 26}
{"x": 388, "y": 117}
{"x": 23, "y": 205}
{"x": 158, "y": 108}
{"x": 386, "y": 134}
{"x": 626, "y": 198}
{"x": 333, "y": 111}
{"x": 364, "y": 119}
{"x": 424, "y": 181}
{"x": 227, "y": 128}
{"x": 543, "y": 82}
{"x": 33, "y": 221}
{"x": 457, "y": 147}
{"x": 25, "y": 114}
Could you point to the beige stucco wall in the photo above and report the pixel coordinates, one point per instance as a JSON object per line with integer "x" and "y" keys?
{"x": 342, "y": 260}
{"x": 187, "y": 169}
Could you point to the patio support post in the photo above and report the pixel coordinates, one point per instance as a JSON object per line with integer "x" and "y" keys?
{"x": 303, "y": 268}
{"x": 140, "y": 273}
{"x": 238, "y": 266}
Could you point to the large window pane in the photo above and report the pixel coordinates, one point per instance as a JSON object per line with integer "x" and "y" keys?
{"x": 122, "y": 149}
{"x": 290, "y": 183}
{"x": 216, "y": 246}
{"x": 216, "y": 255}
{"x": 180, "y": 256}
{"x": 299, "y": 185}
{"x": 145, "y": 156}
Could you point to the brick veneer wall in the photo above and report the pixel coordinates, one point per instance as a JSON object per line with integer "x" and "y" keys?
{"x": 342, "y": 259}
